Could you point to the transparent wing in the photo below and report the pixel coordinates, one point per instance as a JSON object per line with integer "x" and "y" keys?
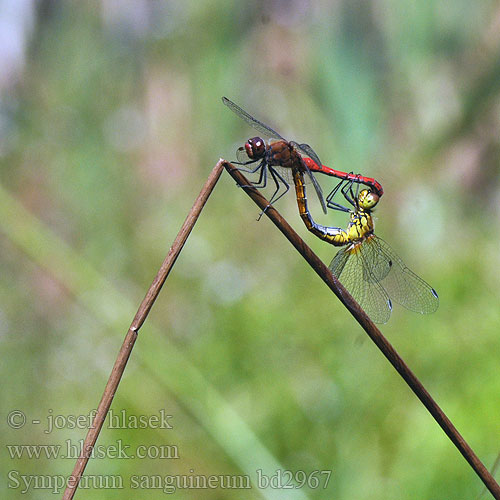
{"x": 242, "y": 157}
{"x": 308, "y": 151}
{"x": 402, "y": 284}
{"x": 253, "y": 122}
{"x": 351, "y": 265}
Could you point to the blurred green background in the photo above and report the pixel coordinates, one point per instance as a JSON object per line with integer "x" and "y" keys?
{"x": 110, "y": 122}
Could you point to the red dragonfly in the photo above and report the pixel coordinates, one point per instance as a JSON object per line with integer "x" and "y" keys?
{"x": 281, "y": 158}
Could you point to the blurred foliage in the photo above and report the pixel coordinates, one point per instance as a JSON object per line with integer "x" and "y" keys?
{"x": 111, "y": 120}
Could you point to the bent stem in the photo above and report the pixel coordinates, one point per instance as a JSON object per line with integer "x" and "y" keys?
{"x": 133, "y": 331}
{"x": 371, "y": 329}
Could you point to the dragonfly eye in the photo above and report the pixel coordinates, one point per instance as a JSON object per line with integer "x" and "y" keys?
{"x": 367, "y": 199}
{"x": 255, "y": 147}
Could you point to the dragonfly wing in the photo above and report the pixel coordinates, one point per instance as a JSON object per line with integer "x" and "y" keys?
{"x": 318, "y": 190}
{"x": 308, "y": 151}
{"x": 377, "y": 264}
{"x": 242, "y": 157}
{"x": 253, "y": 122}
{"x": 352, "y": 268}
{"x": 403, "y": 285}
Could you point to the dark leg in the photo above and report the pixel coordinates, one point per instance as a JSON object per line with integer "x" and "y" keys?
{"x": 349, "y": 193}
{"x": 262, "y": 177}
{"x": 329, "y": 199}
{"x": 247, "y": 170}
{"x": 276, "y": 178}
{"x": 261, "y": 183}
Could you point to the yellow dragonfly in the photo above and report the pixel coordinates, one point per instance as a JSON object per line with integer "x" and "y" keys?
{"x": 366, "y": 265}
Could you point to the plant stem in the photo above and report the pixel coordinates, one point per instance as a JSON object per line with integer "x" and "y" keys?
{"x": 133, "y": 331}
{"x": 371, "y": 329}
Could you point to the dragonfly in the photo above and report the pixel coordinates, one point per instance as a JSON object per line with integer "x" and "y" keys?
{"x": 279, "y": 157}
{"x": 366, "y": 265}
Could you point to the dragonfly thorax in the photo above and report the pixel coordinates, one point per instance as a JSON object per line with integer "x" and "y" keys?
{"x": 283, "y": 154}
{"x": 360, "y": 226}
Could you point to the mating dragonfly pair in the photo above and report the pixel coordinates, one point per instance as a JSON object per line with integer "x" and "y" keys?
{"x": 366, "y": 265}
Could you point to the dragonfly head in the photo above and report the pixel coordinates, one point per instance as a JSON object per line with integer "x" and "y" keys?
{"x": 255, "y": 148}
{"x": 367, "y": 199}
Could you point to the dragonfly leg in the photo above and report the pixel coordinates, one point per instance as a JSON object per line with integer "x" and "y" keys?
{"x": 277, "y": 178}
{"x": 334, "y": 190}
{"x": 356, "y": 197}
{"x": 261, "y": 183}
{"x": 249, "y": 162}
{"x": 348, "y": 193}
{"x": 248, "y": 170}
{"x": 329, "y": 199}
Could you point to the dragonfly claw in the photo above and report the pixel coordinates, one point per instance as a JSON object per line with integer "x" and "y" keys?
{"x": 262, "y": 213}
